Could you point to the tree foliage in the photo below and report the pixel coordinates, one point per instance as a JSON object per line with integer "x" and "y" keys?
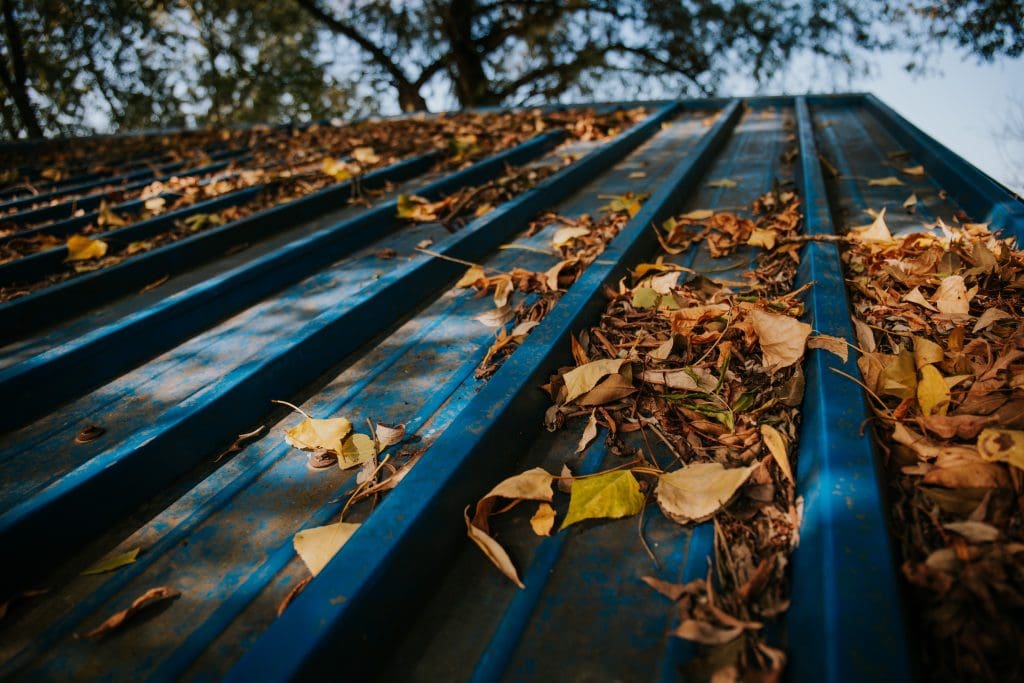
{"x": 71, "y": 66}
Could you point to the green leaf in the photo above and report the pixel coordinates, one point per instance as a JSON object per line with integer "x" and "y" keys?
{"x": 109, "y": 564}
{"x": 608, "y": 495}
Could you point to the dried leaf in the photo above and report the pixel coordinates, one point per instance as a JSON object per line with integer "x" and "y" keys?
{"x": 365, "y": 155}
{"x": 782, "y": 338}
{"x": 932, "y": 392}
{"x": 878, "y": 231}
{"x": 589, "y": 432}
{"x": 915, "y": 296}
{"x": 493, "y": 550}
{"x": 914, "y": 170}
{"x": 698, "y": 215}
{"x": 724, "y": 182}
{"x": 910, "y": 202}
{"x": 927, "y": 352}
{"x": 608, "y": 390}
{"x": 565, "y": 236}
{"x": 81, "y": 248}
{"x": 471, "y": 276}
{"x": 777, "y": 447}
{"x": 989, "y": 317}
{"x": 1002, "y": 445}
{"x": 760, "y": 237}
{"x": 496, "y": 317}
{"x": 951, "y": 297}
{"x": 865, "y": 336}
{"x": 109, "y": 564}
{"x": 835, "y": 345}
{"x": 888, "y": 181}
{"x": 319, "y": 435}
{"x": 703, "y": 632}
{"x": 975, "y": 532}
{"x": 579, "y": 381}
{"x": 697, "y": 491}
{"x": 899, "y": 377}
{"x": 603, "y": 496}
{"x": 543, "y": 520}
{"x": 316, "y": 546}
{"x": 150, "y": 597}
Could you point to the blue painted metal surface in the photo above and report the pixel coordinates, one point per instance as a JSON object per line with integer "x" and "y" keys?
{"x": 180, "y": 374}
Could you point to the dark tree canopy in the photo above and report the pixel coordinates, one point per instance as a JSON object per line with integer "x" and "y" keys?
{"x": 74, "y": 66}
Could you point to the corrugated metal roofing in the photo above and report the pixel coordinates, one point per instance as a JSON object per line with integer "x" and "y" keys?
{"x": 306, "y": 311}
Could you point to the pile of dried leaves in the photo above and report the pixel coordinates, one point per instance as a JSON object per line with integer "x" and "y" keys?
{"x": 698, "y": 386}
{"x": 310, "y": 161}
{"x": 938, "y": 318}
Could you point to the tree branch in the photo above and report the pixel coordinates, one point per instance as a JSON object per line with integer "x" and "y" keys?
{"x": 19, "y": 92}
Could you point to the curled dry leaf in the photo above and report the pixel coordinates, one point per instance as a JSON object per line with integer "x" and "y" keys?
{"x": 389, "y": 436}
{"x": 878, "y": 231}
{"x": 496, "y": 317}
{"x": 951, "y": 297}
{"x": 697, "y": 491}
{"x": 355, "y": 450}
{"x": 602, "y": 496}
{"x": 834, "y": 345}
{"x": 316, "y": 546}
{"x": 533, "y": 484}
{"x": 782, "y": 338}
{"x": 989, "y": 318}
{"x": 565, "y": 236}
{"x": 150, "y": 597}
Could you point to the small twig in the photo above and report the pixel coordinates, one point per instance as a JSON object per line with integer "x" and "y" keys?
{"x": 297, "y": 409}
{"x": 471, "y": 264}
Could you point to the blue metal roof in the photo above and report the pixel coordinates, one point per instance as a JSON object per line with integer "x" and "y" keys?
{"x": 307, "y": 312}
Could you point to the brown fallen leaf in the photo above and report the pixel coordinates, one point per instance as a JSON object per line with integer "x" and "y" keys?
{"x": 543, "y": 520}
{"x": 776, "y": 445}
{"x": 782, "y": 338}
{"x": 888, "y": 181}
{"x": 117, "y": 620}
{"x": 589, "y": 432}
{"x": 697, "y": 491}
{"x": 834, "y": 345}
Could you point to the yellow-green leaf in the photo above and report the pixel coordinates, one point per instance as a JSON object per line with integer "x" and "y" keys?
{"x": 470, "y": 276}
{"x": 109, "y": 564}
{"x": 318, "y": 545}
{"x": 724, "y": 182}
{"x": 355, "y": 450}
{"x": 932, "y": 392}
{"x": 609, "y": 495}
{"x": 1002, "y": 445}
{"x": 698, "y": 491}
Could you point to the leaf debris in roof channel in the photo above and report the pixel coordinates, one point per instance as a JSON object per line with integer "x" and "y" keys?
{"x": 938, "y": 319}
{"x": 305, "y": 163}
{"x": 697, "y": 383}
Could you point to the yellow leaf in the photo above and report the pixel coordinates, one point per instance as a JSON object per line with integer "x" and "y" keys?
{"x": 470, "y": 276}
{"x": 834, "y": 345}
{"x": 888, "y": 181}
{"x": 698, "y": 215}
{"x": 629, "y": 203}
{"x": 502, "y": 290}
{"x": 951, "y": 297}
{"x": 109, "y": 564}
{"x": 318, "y": 545}
{"x": 365, "y": 155}
{"x": 932, "y": 392}
{"x": 579, "y": 381}
{"x": 760, "y": 237}
{"x": 782, "y": 338}
{"x": 483, "y": 209}
{"x": 407, "y": 203}
{"x": 914, "y": 170}
{"x": 338, "y": 169}
{"x": 108, "y": 217}
{"x": 699, "y": 490}
{"x": 776, "y": 445}
{"x": 543, "y": 520}
{"x": 603, "y": 496}
{"x": 355, "y": 450}
{"x": 317, "y": 435}
{"x": 927, "y": 352}
{"x": 724, "y": 182}
{"x": 899, "y": 377}
{"x": 877, "y": 231}
{"x": 81, "y": 248}
{"x": 1002, "y": 445}
{"x": 589, "y": 433}
{"x": 564, "y": 236}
